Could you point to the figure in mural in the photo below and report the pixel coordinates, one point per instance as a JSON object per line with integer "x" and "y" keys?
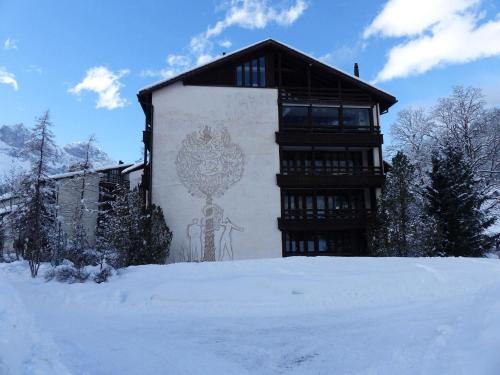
{"x": 208, "y": 164}
{"x": 225, "y": 243}
{"x": 194, "y": 232}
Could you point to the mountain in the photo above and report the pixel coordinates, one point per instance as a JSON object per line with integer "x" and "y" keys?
{"x": 13, "y": 139}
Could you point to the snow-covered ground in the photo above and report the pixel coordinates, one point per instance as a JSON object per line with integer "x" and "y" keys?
{"x": 282, "y": 316}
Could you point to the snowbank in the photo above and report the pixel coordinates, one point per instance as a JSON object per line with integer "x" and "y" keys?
{"x": 281, "y": 316}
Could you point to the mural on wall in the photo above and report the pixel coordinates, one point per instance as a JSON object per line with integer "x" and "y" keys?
{"x": 208, "y": 164}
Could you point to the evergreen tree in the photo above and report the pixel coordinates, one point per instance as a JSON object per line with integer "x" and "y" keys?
{"x": 157, "y": 238}
{"x": 78, "y": 250}
{"x": 453, "y": 204}
{"x": 396, "y": 228}
{"x": 130, "y": 235}
{"x": 35, "y": 216}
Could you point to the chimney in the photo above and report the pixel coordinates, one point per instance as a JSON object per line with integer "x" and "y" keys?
{"x": 356, "y": 70}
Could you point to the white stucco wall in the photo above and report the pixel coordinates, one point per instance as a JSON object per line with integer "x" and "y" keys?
{"x": 253, "y": 203}
{"x": 69, "y": 193}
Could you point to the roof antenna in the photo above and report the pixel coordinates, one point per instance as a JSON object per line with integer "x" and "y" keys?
{"x": 356, "y": 70}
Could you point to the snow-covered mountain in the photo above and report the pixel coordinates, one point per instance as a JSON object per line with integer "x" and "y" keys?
{"x": 13, "y": 139}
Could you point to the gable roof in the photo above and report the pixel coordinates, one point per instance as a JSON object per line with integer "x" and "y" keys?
{"x": 145, "y": 93}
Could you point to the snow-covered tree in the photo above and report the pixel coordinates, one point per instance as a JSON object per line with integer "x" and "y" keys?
{"x": 397, "y": 226}
{"x": 78, "y": 248}
{"x": 466, "y": 123}
{"x": 130, "y": 235}
{"x": 35, "y": 216}
{"x": 415, "y": 134}
{"x": 157, "y": 238}
{"x": 453, "y": 206}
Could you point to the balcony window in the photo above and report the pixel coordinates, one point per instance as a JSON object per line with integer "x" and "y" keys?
{"x": 322, "y": 204}
{"x": 356, "y": 117}
{"x": 331, "y": 242}
{"x": 325, "y": 117}
{"x": 322, "y": 243}
{"x": 295, "y": 116}
{"x": 321, "y": 162}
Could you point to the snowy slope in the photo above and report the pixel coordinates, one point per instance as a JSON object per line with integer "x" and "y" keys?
{"x": 13, "y": 139}
{"x": 282, "y": 316}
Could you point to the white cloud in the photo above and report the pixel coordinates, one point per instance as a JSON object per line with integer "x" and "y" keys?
{"x": 106, "y": 84}
{"x": 247, "y": 14}
{"x": 178, "y": 60}
{"x": 344, "y": 54}
{"x": 204, "y": 59}
{"x": 437, "y": 32}
{"x": 161, "y": 73}
{"x": 175, "y": 65}
{"x": 226, "y": 43}
{"x": 10, "y": 44}
{"x": 408, "y": 17}
{"x": 8, "y": 78}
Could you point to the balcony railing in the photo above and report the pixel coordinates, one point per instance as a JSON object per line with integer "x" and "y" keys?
{"x": 321, "y": 214}
{"x": 329, "y": 170}
{"x": 323, "y": 95}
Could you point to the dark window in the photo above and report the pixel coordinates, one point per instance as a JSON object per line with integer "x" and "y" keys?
{"x": 255, "y": 73}
{"x": 262, "y": 67}
{"x": 322, "y": 162}
{"x": 332, "y": 242}
{"x": 295, "y": 116}
{"x": 323, "y": 204}
{"x": 325, "y": 116}
{"x": 247, "y": 74}
{"x": 252, "y": 73}
{"x": 239, "y": 76}
{"x": 356, "y": 117}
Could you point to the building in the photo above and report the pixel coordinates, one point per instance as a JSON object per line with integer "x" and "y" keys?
{"x": 264, "y": 152}
{"x": 98, "y": 189}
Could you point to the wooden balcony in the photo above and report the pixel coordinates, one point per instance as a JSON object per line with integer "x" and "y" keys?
{"x": 330, "y": 177}
{"x": 361, "y": 139}
{"x": 309, "y": 220}
{"x": 327, "y": 95}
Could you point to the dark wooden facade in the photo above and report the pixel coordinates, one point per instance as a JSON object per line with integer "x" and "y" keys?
{"x": 327, "y": 135}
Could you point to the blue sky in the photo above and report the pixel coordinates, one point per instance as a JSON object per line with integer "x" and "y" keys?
{"x": 86, "y": 60}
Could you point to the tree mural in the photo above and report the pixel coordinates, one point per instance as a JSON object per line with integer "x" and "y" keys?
{"x": 208, "y": 164}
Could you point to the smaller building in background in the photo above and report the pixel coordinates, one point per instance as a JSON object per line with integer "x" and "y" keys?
{"x": 100, "y": 183}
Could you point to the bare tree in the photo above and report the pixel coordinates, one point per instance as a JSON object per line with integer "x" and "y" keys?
{"x": 464, "y": 121}
{"x": 415, "y": 134}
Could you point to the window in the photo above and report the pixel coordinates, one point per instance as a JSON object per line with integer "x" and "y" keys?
{"x": 356, "y": 117}
{"x": 262, "y": 69}
{"x": 322, "y": 204}
{"x": 325, "y": 116}
{"x": 252, "y": 73}
{"x": 295, "y": 116}
{"x": 321, "y": 161}
{"x": 247, "y": 74}
{"x": 255, "y": 73}
{"x": 331, "y": 242}
{"x": 239, "y": 76}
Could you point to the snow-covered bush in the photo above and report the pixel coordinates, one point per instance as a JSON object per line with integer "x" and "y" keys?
{"x": 67, "y": 273}
{"x": 103, "y": 275}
